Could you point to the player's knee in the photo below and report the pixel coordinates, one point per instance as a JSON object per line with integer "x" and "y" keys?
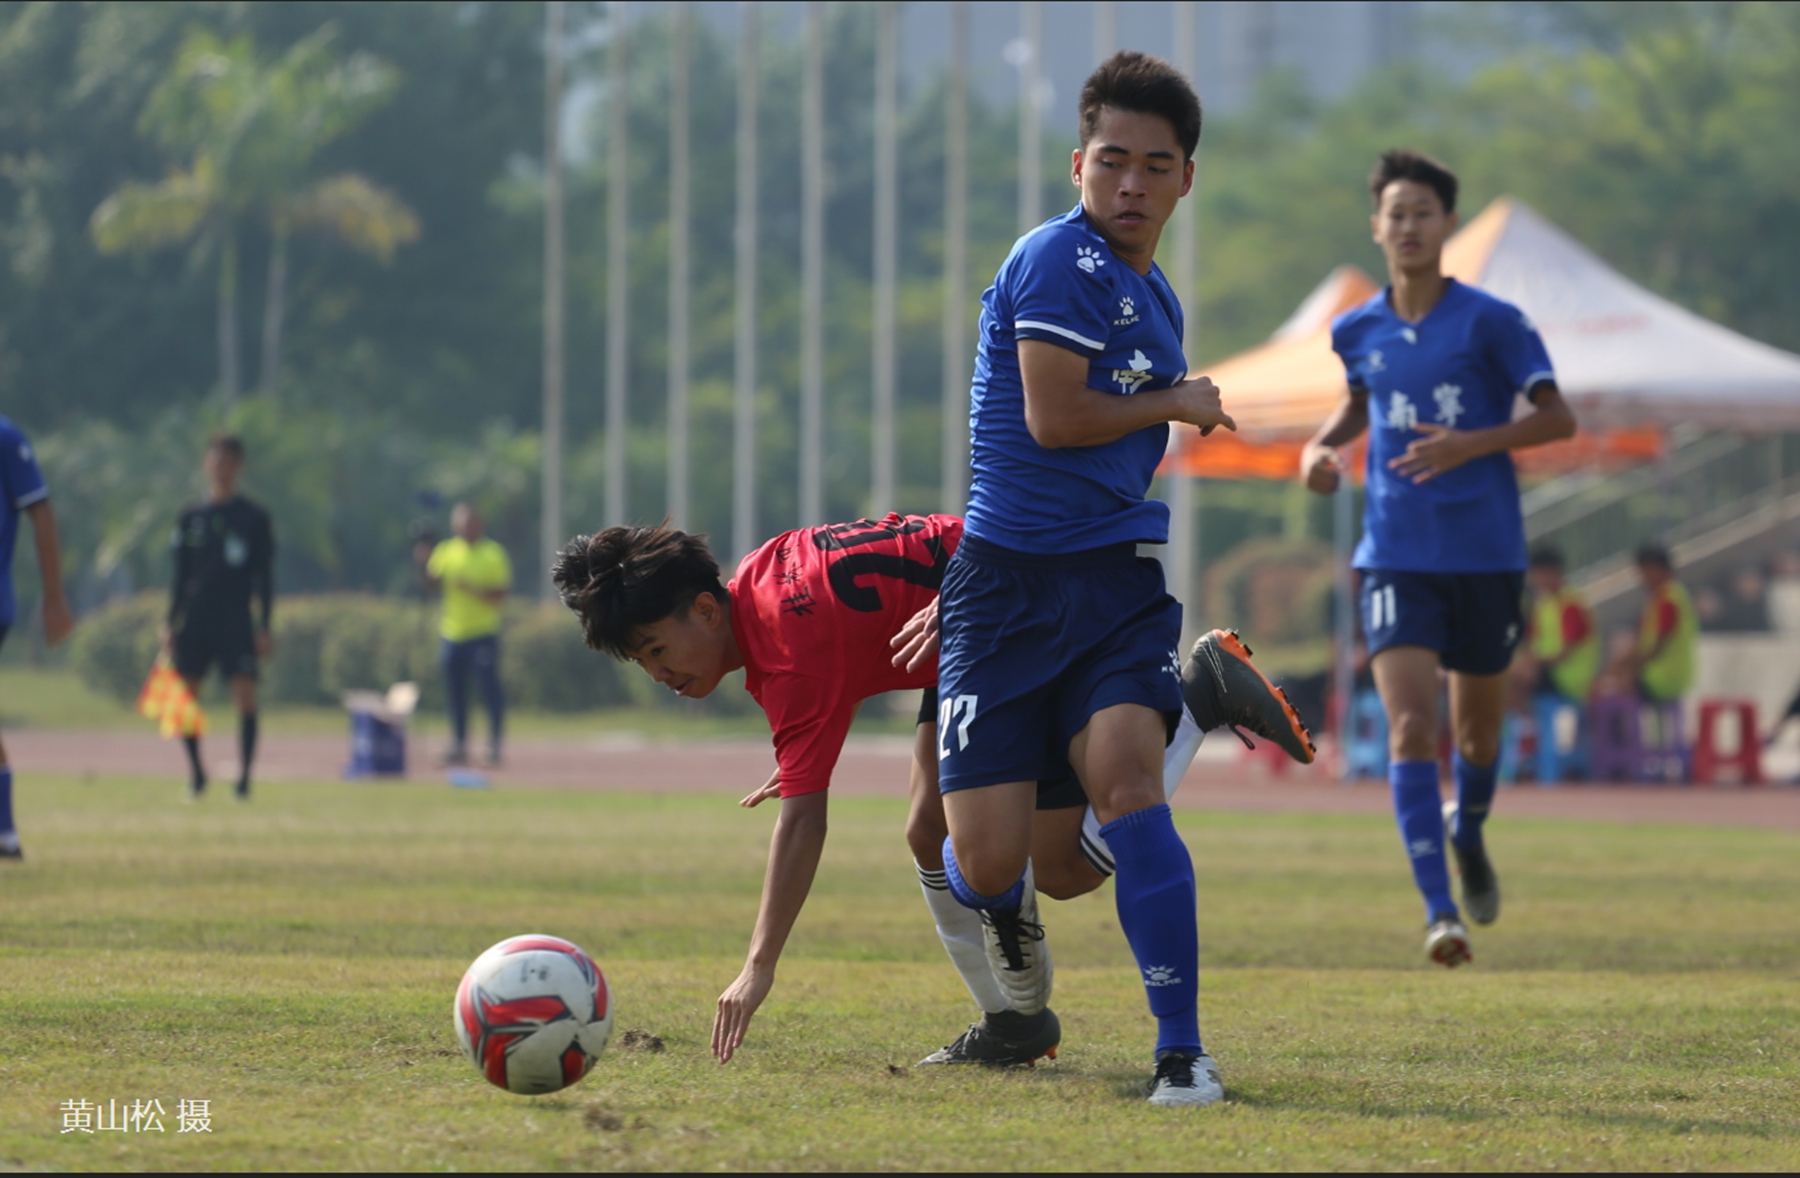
{"x": 987, "y": 871}
{"x": 1479, "y": 748}
{"x": 1412, "y": 736}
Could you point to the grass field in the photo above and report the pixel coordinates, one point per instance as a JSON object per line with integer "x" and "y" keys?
{"x": 292, "y": 962}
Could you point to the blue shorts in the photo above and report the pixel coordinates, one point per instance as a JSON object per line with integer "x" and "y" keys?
{"x": 1051, "y": 795}
{"x": 1472, "y": 620}
{"x": 1032, "y": 645}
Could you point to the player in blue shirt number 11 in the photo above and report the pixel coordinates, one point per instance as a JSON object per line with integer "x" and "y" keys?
{"x": 1435, "y": 368}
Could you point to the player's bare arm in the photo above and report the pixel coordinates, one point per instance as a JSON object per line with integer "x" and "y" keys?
{"x": 1443, "y": 449}
{"x": 1061, "y": 410}
{"x": 794, "y": 851}
{"x": 58, "y": 621}
{"x": 1321, "y": 464}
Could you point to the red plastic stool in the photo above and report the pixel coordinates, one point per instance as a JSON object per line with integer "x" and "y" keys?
{"x": 1746, "y": 759}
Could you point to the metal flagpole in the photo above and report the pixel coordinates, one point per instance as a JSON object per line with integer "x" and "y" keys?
{"x": 887, "y": 100}
{"x": 1031, "y": 117}
{"x": 955, "y": 454}
{"x": 743, "y": 439}
{"x": 812, "y": 267}
{"x": 680, "y": 230}
{"x": 1183, "y": 487}
{"x": 550, "y": 520}
{"x": 1106, "y": 29}
{"x": 618, "y": 306}
{"x": 1343, "y": 539}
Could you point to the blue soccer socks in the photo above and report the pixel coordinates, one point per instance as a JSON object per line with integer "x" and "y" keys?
{"x": 1419, "y": 810}
{"x": 1474, "y": 797}
{"x": 970, "y": 898}
{"x": 1156, "y": 898}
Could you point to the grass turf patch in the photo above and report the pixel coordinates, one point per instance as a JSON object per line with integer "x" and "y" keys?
{"x": 292, "y": 962}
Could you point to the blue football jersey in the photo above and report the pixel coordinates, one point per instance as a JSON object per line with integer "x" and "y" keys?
{"x": 1460, "y": 366}
{"x": 1063, "y": 284}
{"x": 21, "y": 485}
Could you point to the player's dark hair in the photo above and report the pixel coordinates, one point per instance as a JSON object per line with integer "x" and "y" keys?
{"x": 1137, "y": 82}
{"x": 622, "y": 579}
{"x": 1654, "y": 555}
{"x": 1402, "y": 164}
{"x": 227, "y": 443}
{"x": 1547, "y": 556}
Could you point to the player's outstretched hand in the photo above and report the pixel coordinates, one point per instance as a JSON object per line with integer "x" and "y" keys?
{"x": 917, "y": 643}
{"x": 762, "y": 793}
{"x": 736, "y": 1007}
{"x": 1321, "y": 468}
{"x": 1441, "y": 450}
{"x": 1198, "y": 405}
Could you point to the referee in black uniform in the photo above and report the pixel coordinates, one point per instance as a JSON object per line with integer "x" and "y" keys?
{"x": 224, "y": 563}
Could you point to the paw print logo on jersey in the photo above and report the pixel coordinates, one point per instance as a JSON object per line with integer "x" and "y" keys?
{"x": 1161, "y": 975}
{"x": 1088, "y": 259}
{"x": 1377, "y": 363}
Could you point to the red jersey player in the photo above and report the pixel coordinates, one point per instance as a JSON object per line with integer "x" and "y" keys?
{"x": 809, "y": 618}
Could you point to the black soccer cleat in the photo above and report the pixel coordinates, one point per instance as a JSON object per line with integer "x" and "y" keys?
{"x": 1005, "y": 1040}
{"x": 1223, "y": 688}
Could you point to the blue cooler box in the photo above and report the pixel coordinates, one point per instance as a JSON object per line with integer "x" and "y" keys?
{"x": 378, "y": 731}
{"x": 377, "y": 748}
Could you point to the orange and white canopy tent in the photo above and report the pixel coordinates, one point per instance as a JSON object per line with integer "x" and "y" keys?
{"x": 1630, "y": 362}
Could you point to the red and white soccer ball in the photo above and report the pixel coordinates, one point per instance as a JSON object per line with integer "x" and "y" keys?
{"x": 533, "y": 1014}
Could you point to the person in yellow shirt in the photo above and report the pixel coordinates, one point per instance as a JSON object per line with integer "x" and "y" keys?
{"x": 474, "y": 574}
{"x": 1564, "y": 645}
{"x": 1668, "y": 635}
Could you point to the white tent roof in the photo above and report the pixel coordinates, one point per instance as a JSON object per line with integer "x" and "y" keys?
{"x": 1625, "y": 356}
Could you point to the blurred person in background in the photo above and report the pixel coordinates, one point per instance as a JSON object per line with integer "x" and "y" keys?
{"x": 224, "y": 552}
{"x": 1433, "y": 370}
{"x": 23, "y": 492}
{"x": 1564, "y": 644}
{"x": 1665, "y": 656}
{"x": 1745, "y": 608}
{"x": 474, "y": 575}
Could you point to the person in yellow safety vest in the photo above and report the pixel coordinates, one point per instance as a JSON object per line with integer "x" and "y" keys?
{"x": 1564, "y": 643}
{"x": 1668, "y": 632}
{"x": 1562, "y": 637}
{"x": 474, "y": 574}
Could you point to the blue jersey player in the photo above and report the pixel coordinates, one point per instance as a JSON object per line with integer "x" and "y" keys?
{"x": 1059, "y": 644}
{"x": 1434, "y": 370}
{"x": 24, "y": 493}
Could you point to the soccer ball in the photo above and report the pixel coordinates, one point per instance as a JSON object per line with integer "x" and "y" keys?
{"x": 533, "y": 1013}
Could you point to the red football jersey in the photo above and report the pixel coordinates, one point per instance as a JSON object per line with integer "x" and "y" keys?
{"x": 813, "y": 612}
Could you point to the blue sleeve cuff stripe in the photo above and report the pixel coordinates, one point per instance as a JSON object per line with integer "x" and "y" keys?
{"x": 1536, "y": 379}
{"x": 1036, "y": 325}
{"x": 30, "y": 497}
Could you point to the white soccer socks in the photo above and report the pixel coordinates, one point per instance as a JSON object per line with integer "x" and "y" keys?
{"x": 960, "y": 930}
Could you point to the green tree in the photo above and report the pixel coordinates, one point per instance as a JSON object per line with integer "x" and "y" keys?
{"x": 247, "y": 135}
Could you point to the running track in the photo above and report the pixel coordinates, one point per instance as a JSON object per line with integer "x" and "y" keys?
{"x": 1222, "y": 779}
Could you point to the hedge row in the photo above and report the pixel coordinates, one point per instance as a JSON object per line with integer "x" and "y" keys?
{"x": 331, "y": 643}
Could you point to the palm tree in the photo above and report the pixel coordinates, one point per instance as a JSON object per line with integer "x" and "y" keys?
{"x": 246, "y": 135}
